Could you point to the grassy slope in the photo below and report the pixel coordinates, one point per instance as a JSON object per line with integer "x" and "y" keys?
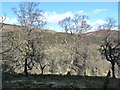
{"x": 54, "y": 44}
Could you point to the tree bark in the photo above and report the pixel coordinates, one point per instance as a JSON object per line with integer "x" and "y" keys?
{"x": 119, "y": 71}
{"x": 113, "y": 69}
{"x": 42, "y": 69}
{"x": 25, "y": 68}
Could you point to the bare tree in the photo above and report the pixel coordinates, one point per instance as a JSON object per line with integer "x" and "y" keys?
{"x": 7, "y": 50}
{"x": 77, "y": 25}
{"x": 111, "y": 45}
{"x": 108, "y": 50}
{"x": 30, "y": 18}
{"x": 81, "y": 54}
{"x": 40, "y": 53}
{"x": 52, "y": 66}
{"x": 8, "y": 46}
{"x": 80, "y": 24}
{"x": 110, "y": 23}
{"x": 84, "y": 56}
{"x": 66, "y": 24}
{"x": 2, "y": 19}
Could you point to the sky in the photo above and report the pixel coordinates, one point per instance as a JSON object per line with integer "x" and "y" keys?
{"x": 56, "y": 11}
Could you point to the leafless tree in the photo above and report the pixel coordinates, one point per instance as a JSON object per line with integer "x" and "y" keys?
{"x": 84, "y": 56}
{"x": 77, "y": 25}
{"x": 81, "y": 54}
{"x": 8, "y": 46}
{"x": 40, "y": 53}
{"x": 109, "y": 24}
{"x": 111, "y": 46}
{"x": 2, "y": 19}
{"x": 30, "y": 18}
{"x": 80, "y": 24}
{"x": 5, "y": 52}
{"x": 108, "y": 50}
{"x": 52, "y": 66}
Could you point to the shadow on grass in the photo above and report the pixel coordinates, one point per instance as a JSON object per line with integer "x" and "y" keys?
{"x": 15, "y": 81}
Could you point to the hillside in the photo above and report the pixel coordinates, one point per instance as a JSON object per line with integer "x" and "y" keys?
{"x": 62, "y": 55}
{"x": 9, "y": 27}
{"x": 102, "y": 33}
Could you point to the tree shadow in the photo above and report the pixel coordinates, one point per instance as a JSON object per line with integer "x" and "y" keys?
{"x": 14, "y": 81}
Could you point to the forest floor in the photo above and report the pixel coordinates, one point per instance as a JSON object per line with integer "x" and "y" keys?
{"x": 56, "y": 81}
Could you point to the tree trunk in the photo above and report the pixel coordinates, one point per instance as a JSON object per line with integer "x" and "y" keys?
{"x": 119, "y": 71}
{"x": 42, "y": 69}
{"x": 25, "y": 68}
{"x": 113, "y": 70}
{"x": 84, "y": 71}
